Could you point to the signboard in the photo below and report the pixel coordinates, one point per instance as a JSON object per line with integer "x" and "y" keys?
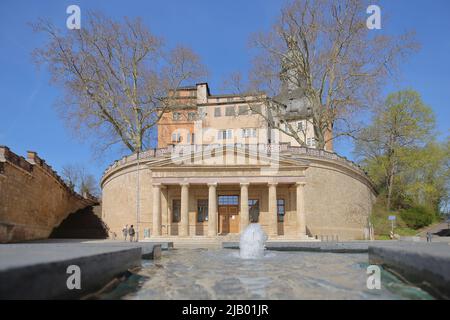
{"x": 392, "y": 218}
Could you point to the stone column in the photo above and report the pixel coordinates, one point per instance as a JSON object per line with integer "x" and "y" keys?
{"x": 272, "y": 218}
{"x": 156, "y": 225}
{"x": 212, "y": 210}
{"x": 301, "y": 219}
{"x": 165, "y": 210}
{"x": 244, "y": 206}
{"x": 184, "y": 223}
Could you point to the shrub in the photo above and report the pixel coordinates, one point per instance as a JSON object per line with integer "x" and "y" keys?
{"x": 417, "y": 217}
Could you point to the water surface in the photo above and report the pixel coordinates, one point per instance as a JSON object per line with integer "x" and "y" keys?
{"x": 221, "y": 274}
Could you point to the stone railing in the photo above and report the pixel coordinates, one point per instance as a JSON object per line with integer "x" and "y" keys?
{"x": 7, "y": 155}
{"x": 283, "y": 148}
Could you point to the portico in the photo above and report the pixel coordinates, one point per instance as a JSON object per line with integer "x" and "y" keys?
{"x": 191, "y": 208}
{"x": 198, "y": 198}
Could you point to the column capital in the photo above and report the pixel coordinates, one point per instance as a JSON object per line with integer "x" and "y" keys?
{"x": 245, "y": 184}
{"x": 184, "y": 184}
{"x": 157, "y": 184}
{"x": 301, "y": 183}
{"x": 274, "y": 184}
{"x": 212, "y": 184}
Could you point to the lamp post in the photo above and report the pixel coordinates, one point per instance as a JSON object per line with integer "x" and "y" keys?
{"x": 137, "y": 197}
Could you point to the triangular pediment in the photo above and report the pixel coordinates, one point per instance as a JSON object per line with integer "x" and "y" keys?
{"x": 226, "y": 157}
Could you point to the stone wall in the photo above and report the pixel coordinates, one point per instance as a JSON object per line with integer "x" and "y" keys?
{"x": 119, "y": 205}
{"x": 33, "y": 198}
{"x": 338, "y": 202}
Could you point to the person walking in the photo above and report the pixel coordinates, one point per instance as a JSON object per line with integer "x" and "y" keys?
{"x": 131, "y": 233}
{"x": 125, "y": 232}
{"x": 429, "y": 236}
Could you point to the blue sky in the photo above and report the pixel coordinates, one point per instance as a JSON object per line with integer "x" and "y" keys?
{"x": 217, "y": 30}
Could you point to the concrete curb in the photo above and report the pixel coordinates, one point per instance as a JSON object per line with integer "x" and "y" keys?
{"x": 39, "y": 270}
{"x": 333, "y": 247}
{"x": 424, "y": 265}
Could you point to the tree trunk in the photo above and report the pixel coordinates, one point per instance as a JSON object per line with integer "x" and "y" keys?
{"x": 390, "y": 185}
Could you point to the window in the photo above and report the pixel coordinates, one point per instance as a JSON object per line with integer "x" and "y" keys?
{"x": 300, "y": 126}
{"x": 190, "y": 138}
{"x": 229, "y": 111}
{"x": 201, "y": 112}
{"x": 253, "y": 210}
{"x": 191, "y": 116}
{"x": 202, "y": 210}
{"x": 176, "y": 210}
{"x": 176, "y": 116}
{"x": 176, "y": 137}
{"x": 228, "y": 200}
{"x": 248, "y": 132}
{"x": 225, "y": 134}
{"x": 280, "y": 210}
{"x": 217, "y": 112}
{"x": 256, "y": 109}
{"x": 243, "y": 110}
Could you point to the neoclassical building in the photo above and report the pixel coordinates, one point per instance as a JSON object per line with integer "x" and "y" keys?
{"x": 219, "y": 166}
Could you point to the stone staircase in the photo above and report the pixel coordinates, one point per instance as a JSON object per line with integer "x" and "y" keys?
{"x": 190, "y": 242}
{"x": 82, "y": 224}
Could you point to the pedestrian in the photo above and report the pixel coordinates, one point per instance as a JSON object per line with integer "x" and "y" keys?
{"x": 125, "y": 232}
{"x": 429, "y": 236}
{"x": 131, "y": 233}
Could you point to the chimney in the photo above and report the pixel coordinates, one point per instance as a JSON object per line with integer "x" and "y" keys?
{"x": 4, "y": 153}
{"x": 32, "y": 157}
{"x": 202, "y": 93}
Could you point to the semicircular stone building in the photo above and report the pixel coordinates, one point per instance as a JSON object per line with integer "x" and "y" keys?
{"x": 219, "y": 167}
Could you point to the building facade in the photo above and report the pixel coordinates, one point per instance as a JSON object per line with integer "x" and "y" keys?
{"x": 219, "y": 167}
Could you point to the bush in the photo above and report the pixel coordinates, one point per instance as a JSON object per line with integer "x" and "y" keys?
{"x": 417, "y": 217}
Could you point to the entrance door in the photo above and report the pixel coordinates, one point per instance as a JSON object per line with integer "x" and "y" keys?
{"x": 224, "y": 220}
{"x": 228, "y": 214}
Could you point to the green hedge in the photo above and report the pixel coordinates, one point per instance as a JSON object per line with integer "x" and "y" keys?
{"x": 417, "y": 217}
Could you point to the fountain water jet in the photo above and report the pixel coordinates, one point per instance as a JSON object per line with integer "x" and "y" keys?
{"x": 251, "y": 242}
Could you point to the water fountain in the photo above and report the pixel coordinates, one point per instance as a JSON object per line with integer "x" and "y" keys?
{"x": 251, "y": 242}
{"x": 250, "y": 274}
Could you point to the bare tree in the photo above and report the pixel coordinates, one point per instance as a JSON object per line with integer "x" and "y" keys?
{"x": 78, "y": 179}
{"x": 71, "y": 176}
{"x": 118, "y": 78}
{"x": 322, "y": 53}
{"x": 89, "y": 185}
